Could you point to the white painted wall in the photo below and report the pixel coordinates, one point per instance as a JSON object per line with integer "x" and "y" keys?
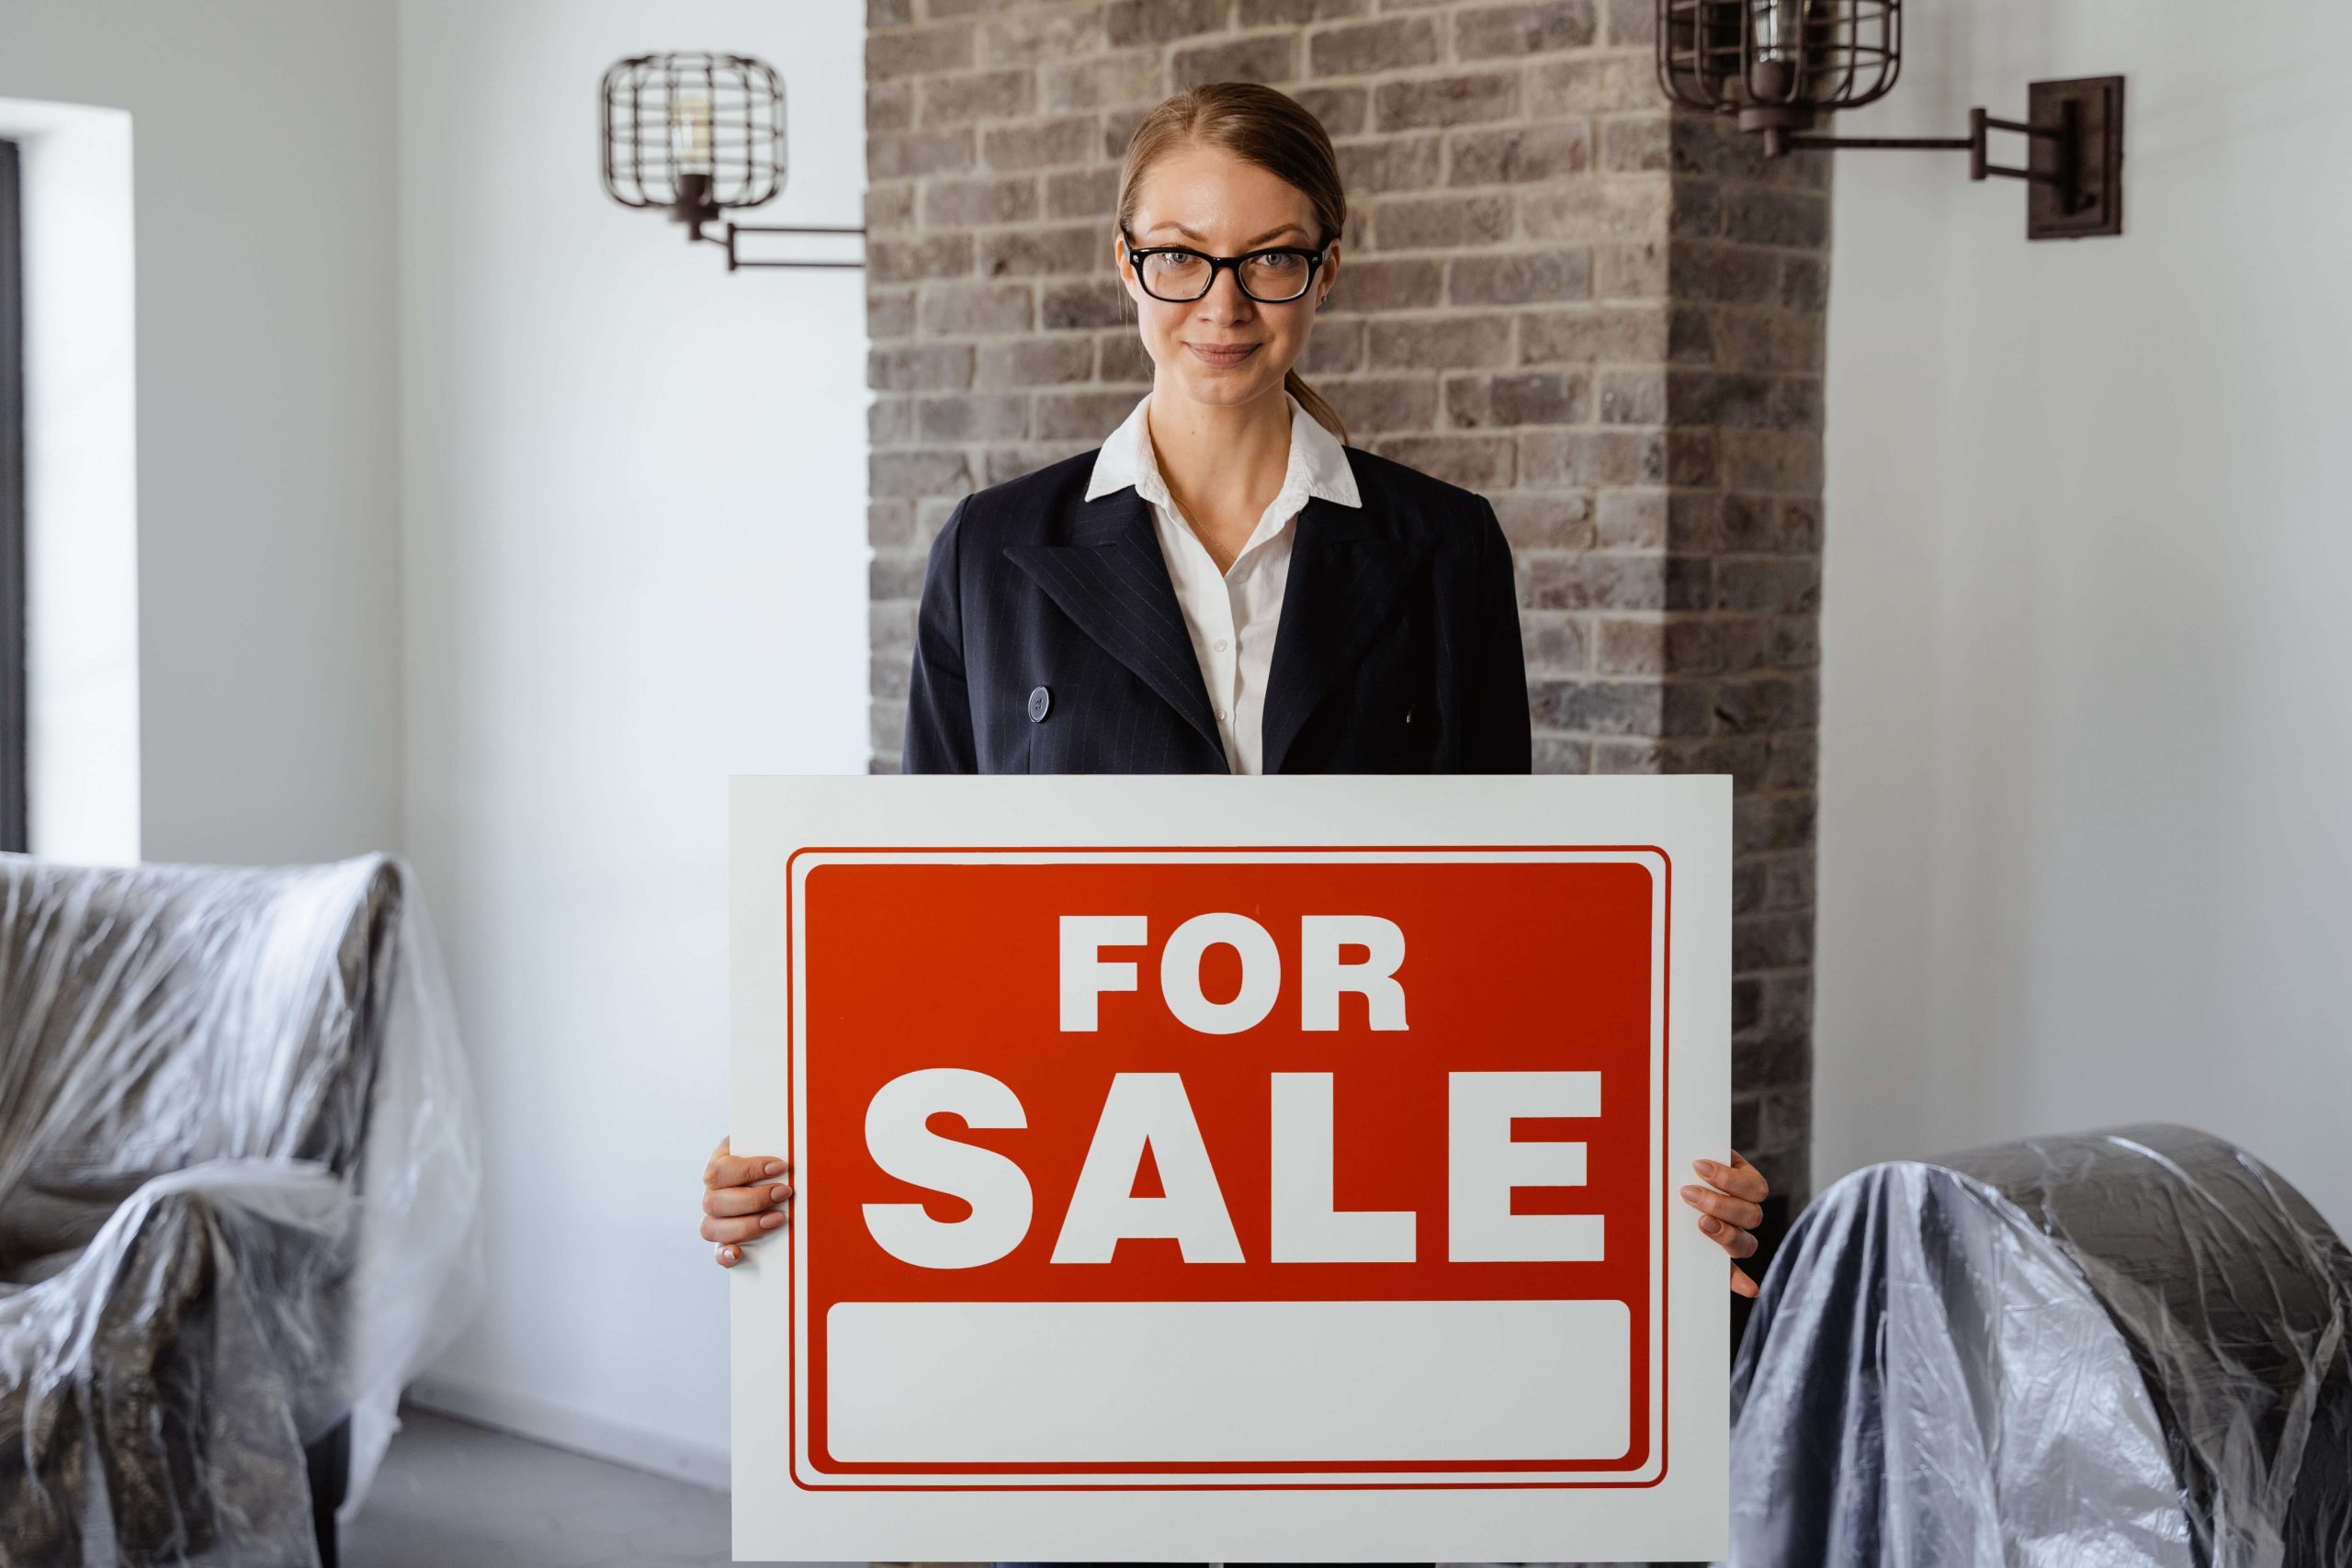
{"x": 267, "y": 630}
{"x": 2087, "y": 679}
{"x": 81, "y": 480}
{"x": 634, "y": 500}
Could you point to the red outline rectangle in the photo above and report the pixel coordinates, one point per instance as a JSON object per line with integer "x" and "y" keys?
{"x": 1664, "y": 1123}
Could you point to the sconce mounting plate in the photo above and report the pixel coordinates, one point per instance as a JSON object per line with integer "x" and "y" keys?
{"x": 2076, "y": 190}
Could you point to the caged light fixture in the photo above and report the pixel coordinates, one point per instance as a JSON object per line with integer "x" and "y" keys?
{"x": 1781, "y": 66}
{"x": 699, "y": 135}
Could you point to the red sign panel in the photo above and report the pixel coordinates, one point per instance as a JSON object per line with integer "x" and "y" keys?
{"x": 1230, "y": 1167}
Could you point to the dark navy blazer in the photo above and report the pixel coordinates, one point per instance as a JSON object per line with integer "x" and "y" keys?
{"x": 1049, "y": 639}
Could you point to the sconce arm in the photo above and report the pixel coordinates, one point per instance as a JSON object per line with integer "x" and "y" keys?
{"x": 736, "y": 263}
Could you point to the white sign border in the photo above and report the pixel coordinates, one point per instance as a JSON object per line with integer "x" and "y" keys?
{"x": 1681, "y": 1513}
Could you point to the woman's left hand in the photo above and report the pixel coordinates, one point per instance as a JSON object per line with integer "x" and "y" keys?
{"x": 1730, "y": 1208}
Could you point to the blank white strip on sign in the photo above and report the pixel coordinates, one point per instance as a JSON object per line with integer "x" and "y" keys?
{"x": 1057, "y": 1382}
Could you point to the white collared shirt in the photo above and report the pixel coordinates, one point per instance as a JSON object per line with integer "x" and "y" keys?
{"x": 1231, "y": 614}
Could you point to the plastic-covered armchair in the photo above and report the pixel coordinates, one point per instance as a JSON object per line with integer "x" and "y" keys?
{"x": 239, "y": 1176}
{"x": 2121, "y": 1349}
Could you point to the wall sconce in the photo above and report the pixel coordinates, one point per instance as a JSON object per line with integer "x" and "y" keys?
{"x": 1779, "y": 65}
{"x": 698, "y": 135}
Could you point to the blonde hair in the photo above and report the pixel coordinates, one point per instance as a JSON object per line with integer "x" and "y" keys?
{"x": 1259, "y": 126}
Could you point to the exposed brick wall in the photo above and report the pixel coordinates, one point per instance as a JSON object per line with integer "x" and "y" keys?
{"x": 1606, "y": 317}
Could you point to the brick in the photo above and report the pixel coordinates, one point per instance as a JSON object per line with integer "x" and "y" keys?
{"x": 890, "y": 422}
{"x": 890, "y": 209}
{"x": 1431, "y": 222}
{"x": 1766, "y": 216}
{"x": 976, "y": 309}
{"x": 1630, "y": 519}
{"x": 1592, "y": 85}
{"x": 1519, "y": 279}
{"x": 1553, "y": 644}
{"x": 1388, "y": 283}
{"x": 1471, "y": 98}
{"x": 1595, "y": 580}
{"x": 972, "y": 417}
{"x": 889, "y": 106}
{"x": 1334, "y": 347}
{"x": 1296, "y": 12}
{"x": 1373, "y": 404}
{"x": 1781, "y": 462}
{"x": 1158, "y": 21}
{"x": 895, "y": 575}
{"x": 1083, "y": 193}
{"x": 1040, "y": 143}
{"x": 910, "y": 51}
{"x": 983, "y": 94}
{"x": 889, "y": 524}
{"x": 1595, "y": 207}
{"x": 999, "y": 463}
{"x": 907, "y": 154}
{"x": 1030, "y": 35}
{"x": 1438, "y": 341}
{"x": 907, "y": 261}
{"x": 962, "y": 204}
{"x": 1127, "y": 78}
{"x": 1630, "y": 21}
{"x": 1390, "y": 163}
{"x": 1120, "y": 358}
{"x": 1515, "y": 31}
{"x": 918, "y": 368}
{"x": 1030, "y": 253}
{"x": 1561, "y": 754}
{"x": 1630, "y": 271}
{"x": 1589, "y": 333}
{"x": 1635, "y": 396}
{"x": 1641, "y": 144}
{"x": 1545, "y": 520}
{"x": 1519, "y": 154}
{"x": 1089, "y": 415}
{"x": 1385, "y": 45}
{"x": 889, "y": 13}
{"x": 1474, "y": 462}
{"x": 1083, "y": 306}
{"x": 1033, "y": 362}
{"x": 1270, "y": 56}
{"x": 1592, "y": 458}
{"x": 1521, "y": 398}
{"x": 918, "y": 473}
{"x": 1342, "y": 110}
{"x": 889, "y": 314}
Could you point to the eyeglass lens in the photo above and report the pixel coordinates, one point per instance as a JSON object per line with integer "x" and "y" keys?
{"x": 1271, "y": 278}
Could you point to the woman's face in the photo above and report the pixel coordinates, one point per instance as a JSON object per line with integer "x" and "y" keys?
{"x": 1223, "y": 348}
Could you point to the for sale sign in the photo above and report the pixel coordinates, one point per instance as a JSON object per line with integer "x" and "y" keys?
{"x": 1268, "y": 1168}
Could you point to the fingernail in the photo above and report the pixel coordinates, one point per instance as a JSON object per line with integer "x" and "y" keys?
{"x": 726, "y": 1255}
{"x": 775, "y": 1167}
{"x": 1693, "y": 1192}
{"x": 1705, "y": 1166}
{"x": 779, "y": 1195}
{"x": 1709, "y": 1224}
{"x": 769, "y": 1222}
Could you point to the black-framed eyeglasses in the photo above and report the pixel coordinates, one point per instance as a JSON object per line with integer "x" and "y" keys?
{"x": 1180, "y": 275}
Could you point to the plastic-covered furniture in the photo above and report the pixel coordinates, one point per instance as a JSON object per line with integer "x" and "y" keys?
{"x": 239, "y": 1172}
{"x": 2130, "y": 1348}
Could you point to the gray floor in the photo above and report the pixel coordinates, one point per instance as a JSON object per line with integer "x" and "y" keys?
{"x": 452, "y": 1495}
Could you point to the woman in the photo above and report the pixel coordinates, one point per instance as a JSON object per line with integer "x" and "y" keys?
{"x": 1224, "y": 585}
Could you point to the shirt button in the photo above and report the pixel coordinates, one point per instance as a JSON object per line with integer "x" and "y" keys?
{"x": 1218, "y": 645}
{"x": 1220, "y": 715}
{"x": 1039, "y": 701}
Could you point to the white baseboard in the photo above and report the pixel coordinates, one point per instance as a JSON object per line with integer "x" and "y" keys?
{"x": 559, "y": 1425}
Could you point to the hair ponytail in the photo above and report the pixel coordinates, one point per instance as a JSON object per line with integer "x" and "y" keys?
{"x": 1310, "y": 399}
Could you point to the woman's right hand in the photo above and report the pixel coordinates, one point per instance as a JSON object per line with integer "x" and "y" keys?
{"x": 741, "y": 1198}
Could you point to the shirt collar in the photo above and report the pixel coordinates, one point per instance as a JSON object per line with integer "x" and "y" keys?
{"x": 1317, "y": 465}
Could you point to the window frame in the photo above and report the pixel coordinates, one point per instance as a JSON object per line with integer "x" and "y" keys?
{"x": 15, "y": 768}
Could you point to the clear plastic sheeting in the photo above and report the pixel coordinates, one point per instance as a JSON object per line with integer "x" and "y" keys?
{"x": 239, "y": 1172}
{"x": 2118, "y": 1350}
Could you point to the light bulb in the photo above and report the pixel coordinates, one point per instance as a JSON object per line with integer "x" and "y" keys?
{"x": 690, "y": 133}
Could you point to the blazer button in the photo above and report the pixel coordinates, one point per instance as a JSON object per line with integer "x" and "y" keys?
{"x": 1039, "y": 701}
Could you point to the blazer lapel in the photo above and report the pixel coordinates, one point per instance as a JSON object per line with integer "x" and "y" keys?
{"x": 1112, "y": 581}
{"x": 1345, "y": 580}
